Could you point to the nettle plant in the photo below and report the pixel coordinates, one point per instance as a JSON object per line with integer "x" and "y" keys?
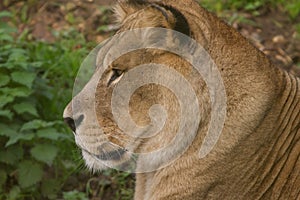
{"x": 35, "y": 82}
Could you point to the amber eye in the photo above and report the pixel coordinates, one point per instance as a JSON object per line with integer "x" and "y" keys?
{"x": 115, "y": 77}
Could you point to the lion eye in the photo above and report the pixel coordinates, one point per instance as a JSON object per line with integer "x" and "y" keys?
{"x": 115, "y": 77}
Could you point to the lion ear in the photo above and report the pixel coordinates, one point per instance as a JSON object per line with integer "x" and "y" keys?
{"x": 123, "y": 9}
{"x": 147, "y": 14}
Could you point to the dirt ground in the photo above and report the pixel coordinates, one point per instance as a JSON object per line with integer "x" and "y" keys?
{"x": 273, "y": 32}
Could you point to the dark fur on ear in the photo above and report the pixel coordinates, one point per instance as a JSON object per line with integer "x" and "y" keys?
{"x": 144, "y": 14}
{"x": 124, "y": 8}
{"x": 181, "y": 25}
{"x": 173, "y": 17}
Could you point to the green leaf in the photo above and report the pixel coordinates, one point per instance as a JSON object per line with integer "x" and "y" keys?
{"x": 7, "y": 114}
{"x": 3, "y": 178}
{"x": 24, "y": 78}
{"x": 103, "y": 28}
{"x": 50, "y": 188}
{"x": 21, "y": 92}
{"x": 18, "y": 137}
{"x": 7, "y": 28}
{"x": 37, "y": 64}
{"x": 18, "y": 57}
{"x": 14, "y": 193}
{"x": 11, "y": 155}
{"x": 293, "y": 9}
{"x": 5, "y": 14}
{"x": 49, "y": 133}
{"x": 6, "y": 131}
{"x": 44, "y": 152}
{"x": 5, "y": 37}
{"x": 74, "y": 195}
{"x": 36, "y": 124}
{"x": 25, "y": 107}
{"x": 4, "y": 80}
{"x": 5, "y": 99}
{"x": 30, "y": 173}
{"x": 16, "y": 92}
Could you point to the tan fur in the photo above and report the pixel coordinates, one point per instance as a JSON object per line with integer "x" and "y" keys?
{"x": 258, "y": 153}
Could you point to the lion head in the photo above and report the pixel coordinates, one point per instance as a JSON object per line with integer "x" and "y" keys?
{"x": 148, "y": 100}
{"x": 154, "y": 110}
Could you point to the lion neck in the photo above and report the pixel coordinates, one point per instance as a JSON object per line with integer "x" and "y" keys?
{"x": 262, "y": 164}
{"x": 265, "y": 163}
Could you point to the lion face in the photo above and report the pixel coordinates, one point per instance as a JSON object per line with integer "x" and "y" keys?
{"x": 112, "y": 137}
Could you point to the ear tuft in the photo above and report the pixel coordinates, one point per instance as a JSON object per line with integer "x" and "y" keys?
{"x": 124, "y": 8}
{"x": 120, "y": 13}
{"x": 144, "y": 14}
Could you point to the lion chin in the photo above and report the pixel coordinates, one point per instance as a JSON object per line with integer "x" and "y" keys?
{"x": 109, "y": 160}
{"x": 92, "y": 163}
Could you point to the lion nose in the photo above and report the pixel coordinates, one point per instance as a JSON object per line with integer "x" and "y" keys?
{"x": 74, "y": 123}
{"x": 71, "y": 123}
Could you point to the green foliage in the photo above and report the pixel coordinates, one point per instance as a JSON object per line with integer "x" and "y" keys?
{"x": 50, "y": 188}
{"x": 124, "y": 191}
{"x": 292, "y": 7}
{"x": 11, "y": 155}
{"x": 74, "y": 195}
{"x": 234, "y": 5}
{"x": 35, "y": 84}
{"x": 45, "y": 153}
{"x": 112, "y": 183}
{"x": 3, "y": 178}
{"x": 29, "y": 173}
{"x": 14, "y": 193}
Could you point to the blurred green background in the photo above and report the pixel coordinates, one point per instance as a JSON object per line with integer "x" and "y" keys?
{"x": 42, "y": 44}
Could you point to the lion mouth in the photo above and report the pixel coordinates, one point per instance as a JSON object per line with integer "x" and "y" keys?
{"x": 111, "y": 155}
{"x": 104, "y": 155}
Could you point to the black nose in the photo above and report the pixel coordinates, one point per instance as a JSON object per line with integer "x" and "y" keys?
{"x": 74, "y": 123}
{"x": 71, "y": 123}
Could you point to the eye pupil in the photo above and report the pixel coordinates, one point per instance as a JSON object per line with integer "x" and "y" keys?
{"x": 116, "y": 74}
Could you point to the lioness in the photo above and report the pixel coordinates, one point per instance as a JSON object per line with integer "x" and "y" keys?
{"x": 257, "y": 155}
